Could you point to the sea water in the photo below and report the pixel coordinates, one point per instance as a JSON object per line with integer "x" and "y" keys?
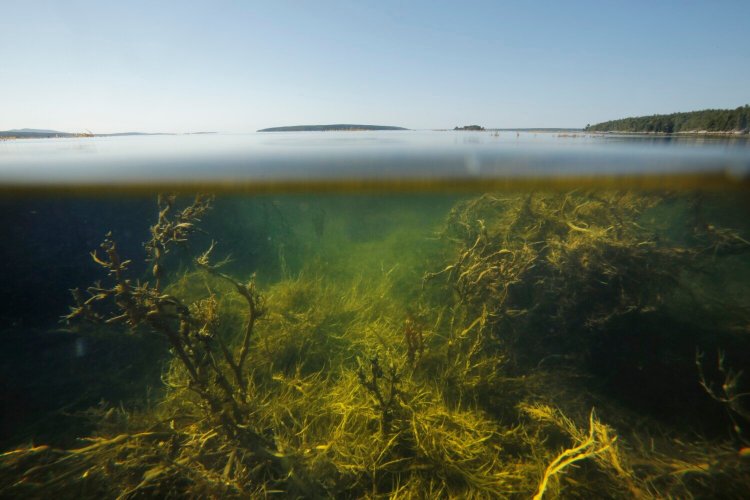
{"x": 375, "y": 314}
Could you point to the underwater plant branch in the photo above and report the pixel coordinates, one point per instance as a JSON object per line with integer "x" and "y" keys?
{"x": 173, "y": 229}
{"x": 255, "y": 306}
{"x": 414, "y": 337}
{"x": 257, "y": 444}
{"x": 163, "y": 313}
{"x": 456, "y": 267}
{"x": 389, "y": 396}
{"x": 588, "y": 448}
{"x": 192, "y": 333}
{"x": 730, "y": 397}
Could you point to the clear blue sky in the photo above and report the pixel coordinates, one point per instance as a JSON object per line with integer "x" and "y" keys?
{"x": 238, "y": 66}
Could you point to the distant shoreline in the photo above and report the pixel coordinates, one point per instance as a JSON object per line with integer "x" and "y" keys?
{"x": 338, "y": 127}
{"x": 739, "y": 134}
{"x": 7, "y": 135}
{"x": 688, "y": 133}
{"x": 728, "y": 122}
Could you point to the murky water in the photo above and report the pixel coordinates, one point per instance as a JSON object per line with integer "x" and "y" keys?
{"x": 540, "y": 329}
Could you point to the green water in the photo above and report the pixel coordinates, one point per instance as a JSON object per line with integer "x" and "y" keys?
{"x": 566, "y": 343}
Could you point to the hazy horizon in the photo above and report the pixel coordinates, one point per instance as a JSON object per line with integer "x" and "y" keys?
{"x": 264, "y": 129}
{"x": 239, "y": 67}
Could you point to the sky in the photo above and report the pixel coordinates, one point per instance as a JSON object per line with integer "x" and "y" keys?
{"x": 237, "y": 66}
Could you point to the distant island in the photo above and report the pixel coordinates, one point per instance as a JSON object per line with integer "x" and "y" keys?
{"x": 330, "y": 128}
{"x": 36, "y": 133}
{"x": 469, "y": 127}
{"x": 727, "y": 121}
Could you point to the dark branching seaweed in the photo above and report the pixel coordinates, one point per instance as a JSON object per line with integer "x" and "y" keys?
{"x": 173, "y": 228}
{"x": 729, "y": 394}
{"x": 213, "y": 372}
{"x": 414, "y": 338}
{"x": 384, "y": 387}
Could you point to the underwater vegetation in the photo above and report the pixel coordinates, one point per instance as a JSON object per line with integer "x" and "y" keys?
{"x": 530, "y": 345}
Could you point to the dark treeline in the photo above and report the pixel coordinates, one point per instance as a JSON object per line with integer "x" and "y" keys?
{"x": 710, "y": 120}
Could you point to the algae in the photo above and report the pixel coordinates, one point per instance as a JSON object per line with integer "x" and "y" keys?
{"x": 492, "y": 353}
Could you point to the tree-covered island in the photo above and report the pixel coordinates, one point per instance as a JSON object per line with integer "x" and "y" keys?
{"x": 707, "y": 120}
{"x": 469, "y": 127}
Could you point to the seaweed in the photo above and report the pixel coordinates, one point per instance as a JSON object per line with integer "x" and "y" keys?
{"x": 345, "y": 378}
{"x": 384, "y": 387}
{"x": 212, "y": 372}
{"x": 729, "y": 394}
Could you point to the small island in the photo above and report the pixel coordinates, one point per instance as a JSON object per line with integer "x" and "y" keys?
{"x": 707, "y": 121}
{"x": 346, "y": 127}
{"x": 470, "y": 127}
